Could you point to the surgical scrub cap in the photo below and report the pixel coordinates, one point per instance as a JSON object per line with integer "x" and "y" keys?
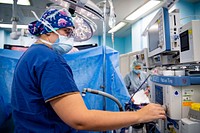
{"x": 57, "y": 18}
{"x": 136, "y": 63}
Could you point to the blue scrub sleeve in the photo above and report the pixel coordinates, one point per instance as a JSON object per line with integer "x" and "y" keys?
{"x": 57, "y": 79}
{"x": 127, "y": 81}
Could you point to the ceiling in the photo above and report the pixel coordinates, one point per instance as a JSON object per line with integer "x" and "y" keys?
{"x": 122, "y": 9}
{"x": 192, "y": 1}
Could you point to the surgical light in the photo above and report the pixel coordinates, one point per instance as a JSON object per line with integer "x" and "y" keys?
{"x": 83, "y": 12}
{"x": 117, "y": 27}
{"x": 84, "y": 7}
{"x": 19, "y": 2}
{"x": 143, "y": 9}
{"x": 84, "y": 28}
{"x": 61, "y": 3}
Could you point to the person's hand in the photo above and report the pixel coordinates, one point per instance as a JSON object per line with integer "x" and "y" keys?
{"x": 151, "y": 112}
{"x": 147, "y": 91}
{"x": 132, "y": 99}
{"x": 73, "y": 50}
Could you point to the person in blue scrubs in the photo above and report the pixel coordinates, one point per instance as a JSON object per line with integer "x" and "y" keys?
{"x": 45, "y": 98}
{"x": 135, "y": 81}
{"x": 135, "y": 78}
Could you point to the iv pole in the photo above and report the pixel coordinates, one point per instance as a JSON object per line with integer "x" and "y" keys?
{"x": 111, "y": 24}
{"x": 104, "y": 54}
{"x": 14, "y": 34}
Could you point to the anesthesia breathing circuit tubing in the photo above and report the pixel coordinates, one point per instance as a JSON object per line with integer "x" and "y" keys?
{"x": 97, "y": 92}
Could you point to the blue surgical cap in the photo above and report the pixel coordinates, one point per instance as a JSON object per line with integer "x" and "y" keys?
{"x": 57, "y": 18}
{"x": 136, "y": 63}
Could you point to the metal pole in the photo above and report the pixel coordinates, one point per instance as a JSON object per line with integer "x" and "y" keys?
{"x": 104, "y": 54}
{"x": 14, "y": 18}
{"x": 113, "y": 40}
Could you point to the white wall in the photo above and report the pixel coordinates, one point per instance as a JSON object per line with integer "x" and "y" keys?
{"x": 136, "y": 36}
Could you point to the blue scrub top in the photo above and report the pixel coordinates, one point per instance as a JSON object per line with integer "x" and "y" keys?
{"x": 133, "y": 82}
{"x": 40, "y": 74}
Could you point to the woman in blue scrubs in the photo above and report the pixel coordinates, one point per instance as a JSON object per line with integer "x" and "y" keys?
{"x": 45, "y": 98}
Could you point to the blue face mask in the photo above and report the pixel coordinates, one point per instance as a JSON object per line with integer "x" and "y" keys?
{"x": 59, "y": 45}
{"x": 61, "y": 48}
{"x": 136, "y": 71}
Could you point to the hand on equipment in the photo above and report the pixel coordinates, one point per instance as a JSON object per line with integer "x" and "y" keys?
{"x": 152, "y": 111}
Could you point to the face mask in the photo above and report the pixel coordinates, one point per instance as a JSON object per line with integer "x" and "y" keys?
{"x": 59, "y": 45}
{"x": 62, "y": 48}
{"x": 61, "y": 39}
{"x": 136, "y": 71}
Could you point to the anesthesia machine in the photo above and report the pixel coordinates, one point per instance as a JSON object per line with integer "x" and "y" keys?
{"x": 174, "y": 60}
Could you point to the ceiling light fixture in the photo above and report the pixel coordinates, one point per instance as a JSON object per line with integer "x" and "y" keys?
{"x": 19, "y": 2}
{"x": 143, "y": 9}
{"x": 117, "y": 27}
{"x": 10, "y": 26}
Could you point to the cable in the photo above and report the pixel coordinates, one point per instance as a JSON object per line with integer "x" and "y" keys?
{"x": 151, "y": 130}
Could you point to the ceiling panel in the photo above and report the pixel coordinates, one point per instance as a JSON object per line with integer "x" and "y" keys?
{"x": 122, "y": 9}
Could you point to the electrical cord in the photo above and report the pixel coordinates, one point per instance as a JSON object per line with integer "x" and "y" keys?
{"x": 151, "y": 130}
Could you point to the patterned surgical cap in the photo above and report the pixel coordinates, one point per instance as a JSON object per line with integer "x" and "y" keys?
{"x": 57, "y": 18}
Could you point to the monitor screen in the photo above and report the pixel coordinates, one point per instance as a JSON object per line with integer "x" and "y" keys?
{"x": 159, "y": 33}
{"x": 153, "y": 37}
{"x": 159, "y": 94}
{"x": 184, "y": 38}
